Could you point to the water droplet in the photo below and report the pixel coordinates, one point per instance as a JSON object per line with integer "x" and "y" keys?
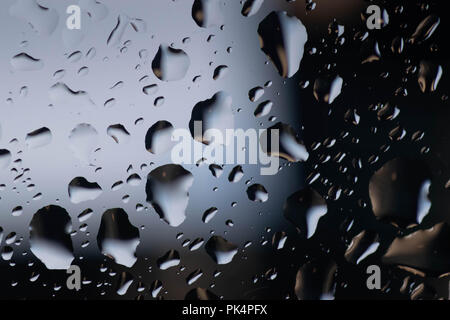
{"x": 82, "y": 190}
{"x": 263, "y": 109}
{"x": 251, "y": 7}
{"x": 117, "y": 237}
{"x": 169, "y": 260}
{"x": 282, "y": 39}
{"x": 255, "y": 93}
{"x": 25, "y": 62}
{"x": 425, "y": 29}
{"x": 167, "y": 190}
{"x": 170, "y": 64}
{"x": 50, "y": 241}
{"x": 220, "y": 72}
{"x": 304, "y": 208}
{"x": 429, "y": 76}
{"x": 214, "y": 113}
{"x": 327, "y": 89}
{"x": 207, "y": 13}
{"x": 38, "y": 138}
{"x": 119, "y": 133}
{"x": 83, "y": 140}
{"x": 290, "y": 148}
{"x": 209, "y": 214}
{"x": 236, "y": 174}
{"x": 42, "y": 20}
{"x": 220, "y": 250}
{"x": 257, "y": 193}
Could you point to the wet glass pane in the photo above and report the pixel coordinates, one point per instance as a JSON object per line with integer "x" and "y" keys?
{"x": 218, "y": 149}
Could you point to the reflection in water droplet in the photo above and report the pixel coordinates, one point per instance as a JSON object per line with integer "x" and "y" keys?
{"x": 17, "y": 211}
{"x": 7, "y": 253}
{"x": 423, "y": 202}
{"x": 214, "y": 113}
{"x": 290, "y": 148}
{"x": 207, "y": 13}
{"x": 304, "y": 209}
{"x": 25, "y": 62}
{"x": 117, "y": 33}
{"x": 429, "y": 76}
{"x": 220, "y": 72}
{"x": 83, "y": 140}
{"x": 125, "y": 281}
{"x": 155, "y": 288}
{"x": 257, "y": 193}
{"x": 236, "y": 174}
{"x": 134, "y": 180}
{"x": 5, "y": 158}
{"x": 96, "y": 10}
{"x": 167, "y": 190}
{"x": 315, "y": 280}
{"x": 279, "y": 239}
{"x": 119, "y": 133}
{"x": 194, "y": 276}
{"x": 263, "y": 109}
{"x": 425, "y": 29}
{"x": 216, "y": 170}
{"x": 61, "y": 93}
{"x": 170, "y": 64}
{"x": 282, "y": 39}
{"x": 158, "y": 139}
{"x": 50, "y": 241}
{"x": 426, "y": 249}
{"x": 327, "y": 89}
{"x": 42, "y": 20}
{"x": 209, "y": 214}
{"x": 251, "y": 7}
{"x": 150, "y": 89}
{"x": 38, "y": 138}
{"x": 117, "y": 237}
{"x": 255, "y": 93}
{"x": 170, "y": 259}
{"x": 82, "y": 190}
{"x": 394, "y": 190}
{"x": 220, "y": 250}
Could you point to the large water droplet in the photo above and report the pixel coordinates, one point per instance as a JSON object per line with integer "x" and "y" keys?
{"x": 119, "y": 133}
{"x": 220, "y": 250}
{"x": 158, "y": 139}
{"x": 429, "y": 76}
{"x": 207, "y": 13}
{"x": 42, "y": 20}
{"x": 170, "y": 64}
{"x": 25, "y": 62}
{"x": 61, "y": 93}
{"x": 167, "y": 190}
{"x": 290, "y": 147}
{"x": 209, "y": 214}
{"x": 425, "y": 29}
{"x": 83, "y": 140}
{"x": 251, "y": 7}
{"x": 282, "y": 39}
{"x": 304, "y": 208}
{"x": 214, "y": 113}
{"x": 117, "y": 237}
{"x": 170, "y": 259}
{"x": 38, "y": 138}
{"x": 327, "y": 89}
{"x": 50, "y": 240}
{"x": 82, "y": 190}
{"x": 257, "y": 193}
